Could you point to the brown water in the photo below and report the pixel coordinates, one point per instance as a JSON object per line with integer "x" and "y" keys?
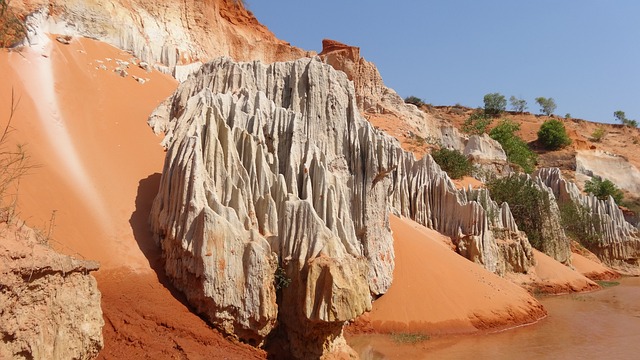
{"x": 598, "y": 325}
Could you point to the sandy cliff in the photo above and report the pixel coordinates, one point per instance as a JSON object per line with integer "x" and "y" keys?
{"x": 50, "y": 302}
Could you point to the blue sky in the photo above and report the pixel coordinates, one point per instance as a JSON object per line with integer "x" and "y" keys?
{"x": 583, "y": 53}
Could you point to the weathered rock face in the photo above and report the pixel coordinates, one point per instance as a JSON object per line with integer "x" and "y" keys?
{"x": 609, "y": 166}
{"x": 618, "y": 242}
{"x": 272, "y": 166}
{"x": 50, "y": 303}
{"x": 372, "y": 96}
{"x": 240, "y": 167}
{"x": 169, "y": 33}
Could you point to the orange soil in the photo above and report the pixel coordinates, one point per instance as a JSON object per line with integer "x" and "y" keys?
{"x": 556, "y": 278}
{"x": 437, "y": 291}
{"x": 97, "y": 172}
{"x": 466, "y": 181}
{"x": 394, "y": 126}
{"x": 591, "y": 269}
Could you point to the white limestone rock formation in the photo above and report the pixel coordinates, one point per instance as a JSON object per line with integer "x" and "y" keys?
{"x": 272, "y": 166}
{"x": 609, "y": 166}
{"x": 618, "y": 242}
{"x": 49, "y": 302}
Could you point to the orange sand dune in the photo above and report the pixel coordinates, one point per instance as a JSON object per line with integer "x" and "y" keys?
{"x": 552, "y": 277}
{"x": 85, "y": 128}
{"x": 592, "y": 269}
{"x": 436, "y": 290}
{"x": 98, "y": 166}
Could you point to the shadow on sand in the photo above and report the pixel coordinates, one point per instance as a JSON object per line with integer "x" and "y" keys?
{"x": 139, "y": 221}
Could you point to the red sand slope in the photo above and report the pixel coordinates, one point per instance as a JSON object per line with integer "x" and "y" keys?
{"x": 436, "y": 290}
{"x": 98, "y": 168}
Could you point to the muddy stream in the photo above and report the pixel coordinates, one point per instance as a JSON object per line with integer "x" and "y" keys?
{"x": 599, "y": 325}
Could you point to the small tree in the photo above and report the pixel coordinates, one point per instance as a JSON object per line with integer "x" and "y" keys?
{"x": 547, "y": 106}
{"x": 517, "y": 104}
{"x": 622, "y": 117}
{"x": 453, "y": 162}
{"x": 494, "y": 103}
{"x": 414, "y": 100}
{"x": 12, "y": 30}
{"x": 553, "y": 135}
{"x": 602, "y": 189}
{"x": 517, "y": 150}
{"x": 477, "y": 123}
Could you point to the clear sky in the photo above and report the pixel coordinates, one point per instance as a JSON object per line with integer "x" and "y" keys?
{"x": 583, "y": 53}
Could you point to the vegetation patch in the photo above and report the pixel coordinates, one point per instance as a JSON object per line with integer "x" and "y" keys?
{"x": 606, "y": 284}
{"x": 477, "y": 123}
{"x": 409, "y": 338}
{"x": 547, "y": 105}
{"x": 529, "y": 205}
{"x": 453, "y": 162}
{"x": 579, "y": 223}
{"x": 622, "y": 117}
{"x": 553, "y": 135}
{"x": 598, "y": 134}
{"x": 494, "y": 104}
{"x": 414, "y": 100}
{"x": 603, "y": 188}
{"x": 517, "y": 150}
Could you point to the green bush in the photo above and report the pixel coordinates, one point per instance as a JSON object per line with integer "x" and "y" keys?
{"x": 517, "y": 104}
{"x": 547, "y": 106}
{"x": 477, "y": 123}
{"x": 602, "y": 189}
{"x": 579, "y": 224}
{"x": 494, "y": 104}
{"x": 414, "y": 100}
{"x": 517, "y": 150}
{"x": 529, "y": 205}
{"x": 598, "y": 134}
{"x": 553, "y": 135}
{"x": 452, "y": 162}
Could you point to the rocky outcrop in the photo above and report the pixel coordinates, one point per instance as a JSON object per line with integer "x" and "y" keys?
{"x": 617, "y": 242}
{"x": 50, "y": 302}
{"x": 273, "y": 206}
{"x": 609, "y": 166}
{"x": 372, "y": 96}
{"x": 171, "y": 34}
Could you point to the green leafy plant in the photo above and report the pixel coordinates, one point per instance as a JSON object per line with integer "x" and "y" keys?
{"x": 494, "y": 103}
{"x": 567, "y": 116}
{"x": 547, "y": 106}
{"x": 602, "y": 189}
{"x": 477, "y": 123}
{"x": 622, "y": 117}
{"x": 453, "y": 162}
{"x": 529, "y": 205}
{"x": 280, "y": 279}
{"x": 598, "y": 134}
{"x": 553, "y": 135}
{"x": 414, "y": 100}
{"x": 517, "y": 104}
{"x": 517, "y": 150}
